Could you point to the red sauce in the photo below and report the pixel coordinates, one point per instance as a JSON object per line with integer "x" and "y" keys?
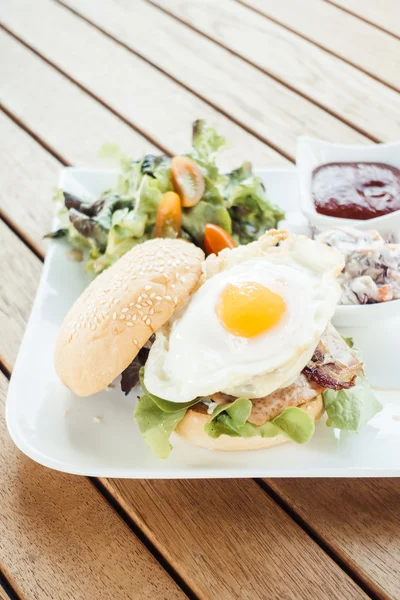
{"x": 360, "y": 190}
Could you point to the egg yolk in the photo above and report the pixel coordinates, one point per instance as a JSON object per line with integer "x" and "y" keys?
{"x": 248, "y": 309}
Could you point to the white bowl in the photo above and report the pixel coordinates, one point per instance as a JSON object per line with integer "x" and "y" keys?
{"x": 365, "y": 315}
{"x": 312, "y": 153}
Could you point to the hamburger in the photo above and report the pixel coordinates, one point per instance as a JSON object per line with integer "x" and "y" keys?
{"x": 233, "y": 352}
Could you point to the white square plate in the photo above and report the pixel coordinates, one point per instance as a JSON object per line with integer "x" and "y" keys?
{"x": 97, "y": 435}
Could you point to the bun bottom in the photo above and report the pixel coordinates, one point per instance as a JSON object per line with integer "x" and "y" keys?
{"x": 191, "y": 430}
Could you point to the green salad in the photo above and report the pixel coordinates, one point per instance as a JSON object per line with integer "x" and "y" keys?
{"x": 160, "y": 196}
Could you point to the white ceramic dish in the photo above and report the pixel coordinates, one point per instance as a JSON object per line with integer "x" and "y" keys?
{"x": 97, "y": 435}
{"x": 312, "y": 152}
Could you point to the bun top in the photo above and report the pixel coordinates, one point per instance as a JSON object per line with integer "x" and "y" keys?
{"x": 120, "y": 310}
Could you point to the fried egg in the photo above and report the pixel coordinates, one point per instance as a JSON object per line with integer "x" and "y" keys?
{"x": 252, "y": 325}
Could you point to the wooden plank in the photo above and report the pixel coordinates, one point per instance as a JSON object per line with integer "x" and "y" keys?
{"x": 28, "y": 177}
{"x": 60, "y": 539}
{"x": 327, "y": 80}
{"x": 264, "y": 106}
{"x": 385, "y": 13}
{"x": 358, "y": 518}
{"x": 3, "y": 594}
{"x": 232, "y": 540}
{"x": 347, "y": 36}
{"x": 205, "y": 528}
{"x": 20, "y": 273}
{"x": 57, "y": 109}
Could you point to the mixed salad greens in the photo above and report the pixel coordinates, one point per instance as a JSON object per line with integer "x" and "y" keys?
{"x": 159, "y": 196}
{"x": 347, "y": 410}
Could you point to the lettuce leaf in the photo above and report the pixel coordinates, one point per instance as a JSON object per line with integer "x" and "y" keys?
{"x": 251, "y": 212}
{"x": 231, "y": 419}
{"x": 157, "y": 419}
{"x": 195, "y": 219}
{"x": 158, "y": 167}
{"x": 351, "y": 409}
{"x": 156, "y": 425}
{"x": 165, "y": 405}
{"x": 206, "y": 143}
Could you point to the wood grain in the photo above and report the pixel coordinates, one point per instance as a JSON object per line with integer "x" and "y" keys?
{"x": 28, "y": 177}
{"x": 269, "y": 109}
{"x": 359, "y": 518}
{"x": 3, "y": 594}
{"x": 231, "y": 539}
{"x": 132, "y": 89}
{"x": 56, "y": 109}
{"x": 59, "y": 539}
{"x": 354, "y": 40}
{"x": 20, "y": 272}
{"x": 338, "y": 86}
{"x": 385, "y": 13}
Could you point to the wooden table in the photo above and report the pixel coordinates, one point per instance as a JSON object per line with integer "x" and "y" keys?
{"x": 77, "y": 73}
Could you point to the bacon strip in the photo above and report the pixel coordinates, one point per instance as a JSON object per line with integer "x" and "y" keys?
{"x": 333, "y": 364}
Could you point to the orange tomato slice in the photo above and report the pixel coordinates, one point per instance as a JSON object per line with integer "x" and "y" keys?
{"x": 187, "y": 179}
{"x": 169, "y": 216}
{"x": 216, "y": 239}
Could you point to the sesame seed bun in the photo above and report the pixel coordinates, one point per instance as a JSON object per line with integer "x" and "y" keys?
{"x": 191, "y": 430}
{"x": 120, "y": 310}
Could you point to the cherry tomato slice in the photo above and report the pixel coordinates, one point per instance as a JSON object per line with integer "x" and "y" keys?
{"x": 187, "y": 179}
{"x": 216, "y": 239}
{"x": 169, "y": 216}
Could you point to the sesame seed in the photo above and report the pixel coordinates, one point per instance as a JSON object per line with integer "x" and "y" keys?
{"x": 158, "y": 298}
{"x": 132, "y": 304}
{"x": 93, "y": 327}
{"x": 152, "y": 294}
{"x": 130, "y": 324}
{"x": 140, "y": 312}
{"x": 168, "y": 298}
{"x": 122, "y": 317}
{"x": 115, "y": 301}
{"x": 151, "y": 311}
{"x": 147, "y": 287}
{"x": 125, "y": 310}
{"x": 149, "y": 302}
{"x": 176, "y": 299}
{"x": 114, "y": 316}
{"x": 134, "y": 317}
{"x": 145, "y": 295}
{"x": 135, "y": 341}
{"x": 138, "y": 305}
{"x": 148, "y": 321}
{"x": 183, "y": 279}
{"x": 144, "y": 318}
{"x": 140, "y": 299}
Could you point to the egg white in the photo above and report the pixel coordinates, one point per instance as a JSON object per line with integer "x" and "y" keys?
{"x": 196, "y": 356}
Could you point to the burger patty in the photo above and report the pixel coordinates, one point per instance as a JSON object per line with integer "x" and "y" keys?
{"x": 266, "y": 408}
{"x": 333, "y": 365}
